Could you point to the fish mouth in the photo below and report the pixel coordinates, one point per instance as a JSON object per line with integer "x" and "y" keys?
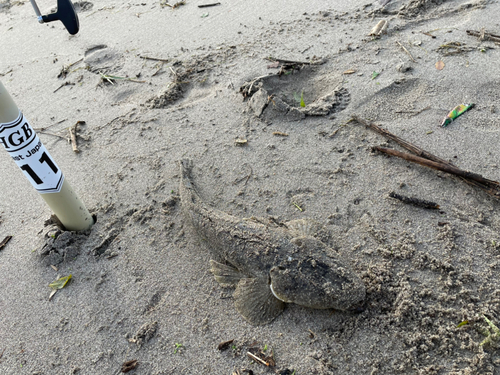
{"x": 274, "y": 294}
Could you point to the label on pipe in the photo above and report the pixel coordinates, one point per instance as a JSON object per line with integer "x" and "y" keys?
{"x": 24, "y": 146}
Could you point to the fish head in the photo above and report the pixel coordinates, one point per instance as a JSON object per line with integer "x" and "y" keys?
{"x": 316, "y": 277}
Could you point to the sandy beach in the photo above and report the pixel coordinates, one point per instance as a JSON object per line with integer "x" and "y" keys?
{"x": 261, "y": 97}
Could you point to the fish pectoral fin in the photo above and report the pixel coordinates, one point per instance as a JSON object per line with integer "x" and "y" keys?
{"x": 304, "y": 228}
{"x": 255, "y": 301}
{"x": 224, "y": 274}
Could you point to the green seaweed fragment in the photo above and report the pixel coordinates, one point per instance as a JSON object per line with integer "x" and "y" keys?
{"x": 60, "y": 283}
{"x": 302, "y": 103}
{"x": 375, "y": 75}
{"x": 462, "y": 323}
{"x": 492, "y": 337}
{"x": 457, "y": 111}
{"x": 300, "y": 99}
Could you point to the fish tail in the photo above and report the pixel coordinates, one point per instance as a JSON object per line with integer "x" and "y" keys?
{"x": 187, "y": 190}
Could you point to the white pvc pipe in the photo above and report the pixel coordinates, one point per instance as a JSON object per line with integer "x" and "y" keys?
{"x": 23, "y": 145}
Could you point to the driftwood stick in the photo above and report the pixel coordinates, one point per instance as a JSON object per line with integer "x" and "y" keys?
{"x": 493, "y": 187}
{"x": 409, "y": 146}
{"x": 73, "y": 134}
{"x": 432, "y": 161}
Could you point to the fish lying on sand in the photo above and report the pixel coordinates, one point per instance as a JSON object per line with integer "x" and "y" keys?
{"x": 270, "y": 264}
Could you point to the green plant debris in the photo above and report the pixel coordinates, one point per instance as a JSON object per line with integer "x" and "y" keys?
{"x": 297, "y": 206}
{"x": 265, "y": 347}
{"x": 429, "y": 132}
{"x": 375, "y": 75}
{"x": 300, "y": 99}
{"x": 60, "y": 283}
{"x": 177, "y": 347}
{"x": 492, "y": 337}
{"x": 204, "y": 15}
{"x": 462, "y": 323}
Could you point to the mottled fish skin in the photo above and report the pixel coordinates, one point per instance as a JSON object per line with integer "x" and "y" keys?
{"x": 298, "y": 269}
{"x": 246, "y": 244}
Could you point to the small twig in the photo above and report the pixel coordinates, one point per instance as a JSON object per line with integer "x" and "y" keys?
{"x": 208, "y": 5}
{"x": 428, "y": 34}
{"x": 2, "y": 245}
{"x": 407, "y": 52}
{"x": 72, "y": 134}
{"x": 42, "y": 129}
{"x": 484, "y": 35}
{"x": 3, "y": 351}
{"x": 54, "y": 135}
{"x": 415, "y": 201}
{"x": 64, "y": 84}
{"x": 246, "y": 178}
{"x": 160, "y": 67}
{"x": 257, "y": 359}
{"x": 280, "y": 134}
{"x": 288, "y": 62}
{"x": 65, "y": 69}
{"x": 176, "y": 5}
{"x": 414, "y": 113}
{"x": 7, "y": 72}
{"x": 454, "y": 48}
{"x": 153, "y": 58}
{"x": 110, "y": 79}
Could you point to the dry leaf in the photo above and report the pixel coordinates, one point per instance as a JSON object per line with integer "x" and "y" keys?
{"x": 350, "y": 71}
{"x": 60, "y": 283}
{"x": 439, "y": 65}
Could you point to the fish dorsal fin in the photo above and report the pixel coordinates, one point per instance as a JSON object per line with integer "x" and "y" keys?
{"x": 255, "y": 301}
{"x": 304, "y": 228}
{"x": 224, "y": 274}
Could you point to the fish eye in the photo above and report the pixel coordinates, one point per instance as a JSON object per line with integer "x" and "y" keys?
{"x": 277, "y": 268}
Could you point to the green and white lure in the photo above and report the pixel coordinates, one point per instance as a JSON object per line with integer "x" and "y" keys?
{"x": 457, "y": 111}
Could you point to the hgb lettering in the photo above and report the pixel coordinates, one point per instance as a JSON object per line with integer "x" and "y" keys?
{"x": 29, "y": 153}
{"x": 18, "y": 137}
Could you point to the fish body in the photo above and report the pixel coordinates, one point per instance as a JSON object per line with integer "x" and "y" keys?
{"x": 270, "y": 264}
